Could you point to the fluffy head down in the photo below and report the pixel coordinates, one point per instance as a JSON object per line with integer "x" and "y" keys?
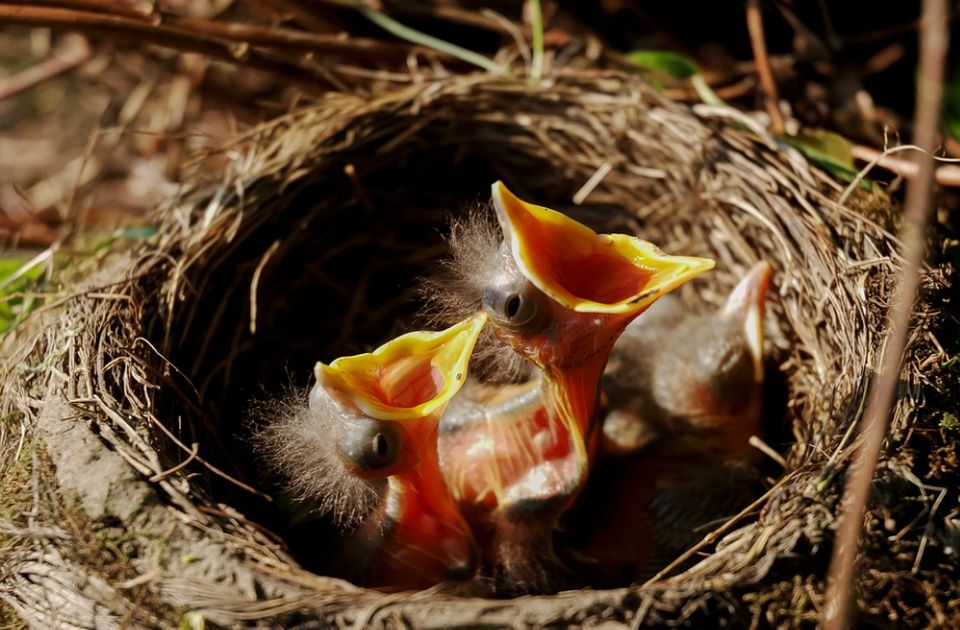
{"x": 454, "y": 292}
{"x": 298, "y": 445}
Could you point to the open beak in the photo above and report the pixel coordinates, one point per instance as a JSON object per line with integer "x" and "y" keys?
{"x": 747, "y": 304}
{"x": 584, "y": 271}
{"x": 410, "y": 377}
{"x": 598, "y": 284}
{"x": 409, "y": 381}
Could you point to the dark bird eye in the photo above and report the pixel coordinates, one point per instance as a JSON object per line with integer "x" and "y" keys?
{"x": 518, "y": 310}
{"x": 522, "y": 311}
{"x": 371, "y": 444}
{"x": 381, "y": 446}
{"x": 513, "y": 306}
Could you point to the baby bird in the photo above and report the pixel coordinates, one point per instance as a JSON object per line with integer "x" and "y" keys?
{"x": 684, "y": 396}
{"x": 699, "y": 378}
{"x": 559, "y": 295}
{"x": 364, "y": 450}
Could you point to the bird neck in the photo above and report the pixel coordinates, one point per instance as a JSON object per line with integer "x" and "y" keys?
{"x": 424, "y": 538}
{"x": 575, "y": 389}
{"x": 573, "y": 392}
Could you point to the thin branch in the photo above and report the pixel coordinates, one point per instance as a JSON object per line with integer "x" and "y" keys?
{"x": 135, "y": 9}
{"x": 948, "y": 175}
{"x": 448, "y": 13}
{"x": 767, "y": 84}
{"x": 278, "y": 37}
{"x": 126, "y": 28}
{"x": 306, "y": 17}
{"x": 69, "y": 54}
{"x": 933, "y": 50}
{"x": 255, "y": 282}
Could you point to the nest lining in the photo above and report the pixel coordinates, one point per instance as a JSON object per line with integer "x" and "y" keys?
{"x": 309, "y": 245}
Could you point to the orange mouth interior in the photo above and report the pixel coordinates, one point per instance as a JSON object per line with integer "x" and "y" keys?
{"x": 593, "y": 275}
{"x": 516, "y": 453}
{"x": 406, "y": 382}
{"x": 601, "y": 278}
{"x": 504, "y": 461}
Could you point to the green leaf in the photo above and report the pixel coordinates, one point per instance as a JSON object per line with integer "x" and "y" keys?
{"x": 706, "y": 95}
{"x": 949, "y": 422}
{"x": 664, "y": 61}
{"x": 827, "y": 150}
{"x": 536, "y": 26}
{"x": 677, "y": 66}
{"x": 10, "y": 266}
{"x": 138, "y": 232}
{"x": 13, "y": 306}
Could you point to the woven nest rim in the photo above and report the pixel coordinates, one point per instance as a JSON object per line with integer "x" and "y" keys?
{"x": 706, "y": 181}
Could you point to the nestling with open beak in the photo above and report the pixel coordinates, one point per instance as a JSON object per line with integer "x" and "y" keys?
{"x": 560, "y": 295}
{"x": 684, "y": 395}
{"x": 363, "y": 449}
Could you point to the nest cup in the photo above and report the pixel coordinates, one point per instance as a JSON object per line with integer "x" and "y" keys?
{"x": 305, "y": 240}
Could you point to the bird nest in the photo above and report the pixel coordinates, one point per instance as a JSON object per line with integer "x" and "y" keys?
{"x": 304, "y": 240}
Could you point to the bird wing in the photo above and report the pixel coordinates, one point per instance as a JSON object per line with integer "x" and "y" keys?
{"x": 690, "y": 504}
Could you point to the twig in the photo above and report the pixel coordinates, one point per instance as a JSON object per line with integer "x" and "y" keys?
{"x": 515, "y": 31}
{"x": 277, "y": 37}
{"x": 133, "y": 29}
{"x": 767, "y": 84}
{"x": 947, "y": 175}
{"x": 69, "y": 54}
{"x": 135, "y": 9}
{"x": 852, "y": 186}
{"x": 481, "y": 19}
{"x": 757, "y": 443}
{"x": 255, "y": 282}
{"x": 193, "y": 456}
{"x": 933, "y": 50}
{"x": 302, "y": 15}
{"x": 194, "y": 449}
{"x": 581, "y": 195}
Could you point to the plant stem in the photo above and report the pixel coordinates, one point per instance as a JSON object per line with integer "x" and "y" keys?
{"x": 393, "y": 27}
{"x": 933, "y": 50}
{"x": 536, "y": 26}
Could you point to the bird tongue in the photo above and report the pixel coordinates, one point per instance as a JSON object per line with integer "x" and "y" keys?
{"x": 407, "y": 382}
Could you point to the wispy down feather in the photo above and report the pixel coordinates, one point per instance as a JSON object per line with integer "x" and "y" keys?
{"x": 455, "y": 292}
{"x": 298, "y": 445}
